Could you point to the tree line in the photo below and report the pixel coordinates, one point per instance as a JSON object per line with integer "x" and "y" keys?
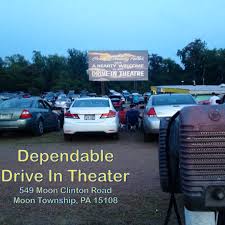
{"x": 53, "y": 72}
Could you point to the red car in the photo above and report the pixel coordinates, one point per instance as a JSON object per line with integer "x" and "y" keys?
{"x": 122, "y": 116}
{"x": 116, "y": 101}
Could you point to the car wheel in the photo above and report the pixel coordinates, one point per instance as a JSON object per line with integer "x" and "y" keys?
{"x": 67, "y": 137}
{"x": 39, "y": 129}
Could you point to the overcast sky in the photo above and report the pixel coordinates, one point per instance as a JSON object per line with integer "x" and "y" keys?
{"x": 159, "y": 26}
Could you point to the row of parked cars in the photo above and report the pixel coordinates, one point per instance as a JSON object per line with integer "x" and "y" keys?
{"x": 126, "y": 97}
{"x": 35, "y": 114}
{"x": 134, "y": 97}
{"x": 76, "y": 113}
{"x": 85, "y": 113}
{"x": 61, "y": 100}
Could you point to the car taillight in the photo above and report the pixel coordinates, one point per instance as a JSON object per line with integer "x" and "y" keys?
{"x": 151, "y": 112}
{"x": 25, "y": 114}
{"x": 110, "y": 114}
{"x": 71, "y": 115}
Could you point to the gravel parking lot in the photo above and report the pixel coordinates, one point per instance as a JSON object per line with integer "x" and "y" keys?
{"x": 140, "y": 199}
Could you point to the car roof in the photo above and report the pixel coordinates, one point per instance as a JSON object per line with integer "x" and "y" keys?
{"x": 30, "y": 98}
{"x": 171, "y": 95}
{"x": 91, "y": 98}
{"x": 24, "y": 99}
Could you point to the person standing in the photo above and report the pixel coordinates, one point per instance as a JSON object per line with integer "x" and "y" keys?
{"x": 213, "y": 99}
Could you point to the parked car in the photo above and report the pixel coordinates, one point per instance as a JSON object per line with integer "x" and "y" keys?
{"x": 26, "y": 95}
{"x": 91, "y": 115}
{"x": 62, "y": 102}
{"x": 123, "y": 99}
{"x": 137, "y": 98}
{"x": 59, "y": 92}
{"x": 121, "y": 96}
{"x": 126, "y": 94}
{"x": 111, "y": 92}
{"x": 70, "y": 94}
{"x": 7, "y": 95}
{"x": 32, "y": 114}
{"x": 147, "y": 95}
{"x": 75, "y": 96}
{"x": 50, "y": 98}
{"x": 117, "y": 100}
{"x": 163, "y": 105}
{"x": 83, "y": 93}
{"x": 141, "y": 99}
{"x": 92, "y": 94}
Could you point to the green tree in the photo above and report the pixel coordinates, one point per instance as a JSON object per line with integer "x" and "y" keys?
{"x": 193, "y": 57}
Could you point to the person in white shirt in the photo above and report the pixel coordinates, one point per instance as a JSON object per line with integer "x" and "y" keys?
{"x": 213, "y": 99}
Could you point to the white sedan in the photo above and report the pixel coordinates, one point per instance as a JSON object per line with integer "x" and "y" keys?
{"x": 91, "y": 115}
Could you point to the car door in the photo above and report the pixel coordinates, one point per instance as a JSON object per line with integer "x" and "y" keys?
{"x": 53, "y": 118}
{"x": 46, "y": 114}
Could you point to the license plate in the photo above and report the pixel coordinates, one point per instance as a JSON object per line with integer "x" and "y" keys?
{"x": 5, "y": 116}
{"x": 89, "y": 117}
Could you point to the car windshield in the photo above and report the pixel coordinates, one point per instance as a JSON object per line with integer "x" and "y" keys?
{"x": 173, "y": 100}
{"x": 91, "y": 103}
{"x": 16, "y": 103}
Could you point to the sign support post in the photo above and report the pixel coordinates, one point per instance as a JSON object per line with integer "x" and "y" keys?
{"x": 102, "y": 88}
